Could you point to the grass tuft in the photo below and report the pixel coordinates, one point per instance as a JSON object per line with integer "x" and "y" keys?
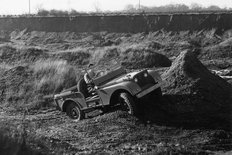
{"x": 53, "y": 75}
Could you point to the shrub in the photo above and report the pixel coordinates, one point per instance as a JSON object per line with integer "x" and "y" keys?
{"x": 43, "y": 12}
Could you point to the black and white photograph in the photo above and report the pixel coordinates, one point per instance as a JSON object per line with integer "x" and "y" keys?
{"x": 115, "y": 77}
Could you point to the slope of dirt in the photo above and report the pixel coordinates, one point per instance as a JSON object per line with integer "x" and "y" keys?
{"x": 74, "y": 57}
{"x": 12, "y": 54}
{"x": 24, "y": 86}
{"x": 51, "y": 132}
{"x": 190, "y": 118}
{"x": 16, "y": 85}
{"x": 192, "y": 90}
{"x": 221, "y": 50}
{"x": 134, "y": 23}
{"x": 30, "y": 37}
{"x": 143, "y": 58}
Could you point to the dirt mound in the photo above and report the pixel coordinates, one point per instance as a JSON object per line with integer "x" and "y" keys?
{"x": 24, "y": 86}
{"x": 119, "y": 115}
{"x": 4, "y": 36}
{"x": 192, "y": 90}
{"x": 16, "y": 86}
{"x": 6, "y": 52}
{"x": 104, "y": 58}
{"x": 41, "y": 37}
{"x": 119, "y": 133}
{"x": 11, "y": 54}
{"x": 74, "y": 57}
{"x": 221, "y": 50}
{"x": 144, "y": 58}
{"x": 227, "y": 42}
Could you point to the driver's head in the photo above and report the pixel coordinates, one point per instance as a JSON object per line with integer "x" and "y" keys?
{"x": 90, "y": 71}
{"x": 90, "y": 65}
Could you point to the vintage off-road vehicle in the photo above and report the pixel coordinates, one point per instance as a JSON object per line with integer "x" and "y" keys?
{"x": 115, "y": 89}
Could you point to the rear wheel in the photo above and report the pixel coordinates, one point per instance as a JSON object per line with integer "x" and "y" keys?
{"x": 74, "y": 112}
{"x": 127, "y": 103}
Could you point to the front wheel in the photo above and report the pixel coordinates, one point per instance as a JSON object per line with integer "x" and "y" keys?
{"x": 127, "y": 103}
{"x": 74, "y": 112}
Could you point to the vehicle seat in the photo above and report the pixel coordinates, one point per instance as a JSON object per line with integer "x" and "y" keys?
{"x": 82, "y": 87}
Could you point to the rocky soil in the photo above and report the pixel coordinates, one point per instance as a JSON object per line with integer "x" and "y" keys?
{"x": 193, "y": 116}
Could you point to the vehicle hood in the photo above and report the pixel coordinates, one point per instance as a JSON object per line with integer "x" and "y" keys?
{"x": 124, "y": 77}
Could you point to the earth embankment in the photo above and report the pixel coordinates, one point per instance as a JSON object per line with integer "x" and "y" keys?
{"x": 193, "y": 92}
{"x": 121, "y": 23}
{"x": 38, "y": 63}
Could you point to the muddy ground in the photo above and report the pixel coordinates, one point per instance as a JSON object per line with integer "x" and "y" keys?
{"x": 31, "y": 126}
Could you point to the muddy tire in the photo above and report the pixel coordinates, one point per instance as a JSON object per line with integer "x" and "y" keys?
{"x": 74, "y": 112}
{"x": 127, "y": 103}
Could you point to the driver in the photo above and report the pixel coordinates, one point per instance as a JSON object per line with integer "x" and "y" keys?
{"x": 89, "y": 75}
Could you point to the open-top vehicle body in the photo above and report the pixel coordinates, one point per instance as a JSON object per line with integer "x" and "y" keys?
{"x": 116, "y": 88}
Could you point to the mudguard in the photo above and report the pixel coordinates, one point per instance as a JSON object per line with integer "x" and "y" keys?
{"x": 155, "y": 75}
{"x": 128, "y": 86}
{"x": 63, "y": 99}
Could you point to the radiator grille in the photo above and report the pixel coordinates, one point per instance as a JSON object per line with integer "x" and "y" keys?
{"x": 144, "y": 81}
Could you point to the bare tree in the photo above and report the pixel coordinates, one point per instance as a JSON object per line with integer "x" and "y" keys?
{"x": 213, "y": 8}
{"x": 196, "y": 7}
{"x": 42, "y": 12}
{"x": 129, "y": 8}
{"x": 39, "y": 7}
{"x": 97, "y": 6}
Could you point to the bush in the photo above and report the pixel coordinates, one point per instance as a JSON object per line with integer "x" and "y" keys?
{"x": 43, "y": 12}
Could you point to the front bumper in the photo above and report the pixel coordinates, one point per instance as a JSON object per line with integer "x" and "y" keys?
{"x": 147, "y": 91}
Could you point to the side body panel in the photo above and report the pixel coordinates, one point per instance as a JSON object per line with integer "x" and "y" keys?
{"x": 155, "y": 75}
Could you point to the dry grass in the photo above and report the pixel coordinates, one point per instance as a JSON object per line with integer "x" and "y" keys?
{"x": 54, "y": 68}
{"x": 75, "y": 56}
{"x": 27, "y": 74}
{"x": 15, "y": 138}
{"x": 24, "y": 86}
{"x": 5, "y": 66}
{"x": 53, "y": 75}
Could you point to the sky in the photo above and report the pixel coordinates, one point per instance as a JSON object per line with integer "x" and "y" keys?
{"x": 22, "y": 6}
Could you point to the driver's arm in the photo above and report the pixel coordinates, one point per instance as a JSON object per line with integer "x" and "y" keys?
{"x": 87, "y": 79}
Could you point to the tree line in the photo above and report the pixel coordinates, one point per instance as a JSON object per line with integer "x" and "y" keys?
{"x": 194, "y": 7}
{"x": 135, "y": 9}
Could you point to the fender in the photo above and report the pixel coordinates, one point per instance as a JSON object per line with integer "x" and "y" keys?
{"x": 155, "y": 75}
{"x": 77, "y": 97}
{"x": 129, "y": 86}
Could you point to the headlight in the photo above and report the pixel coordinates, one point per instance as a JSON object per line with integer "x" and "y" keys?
{"x": 136, "y": 80}
{"x": 145, "y": 75}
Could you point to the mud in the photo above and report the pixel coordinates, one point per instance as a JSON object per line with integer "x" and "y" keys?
{"x": 192, "y": 90}
{"x": 143, "y": 58}
{"x": 48, "y": 131}
{"x": 193, "y": 116}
